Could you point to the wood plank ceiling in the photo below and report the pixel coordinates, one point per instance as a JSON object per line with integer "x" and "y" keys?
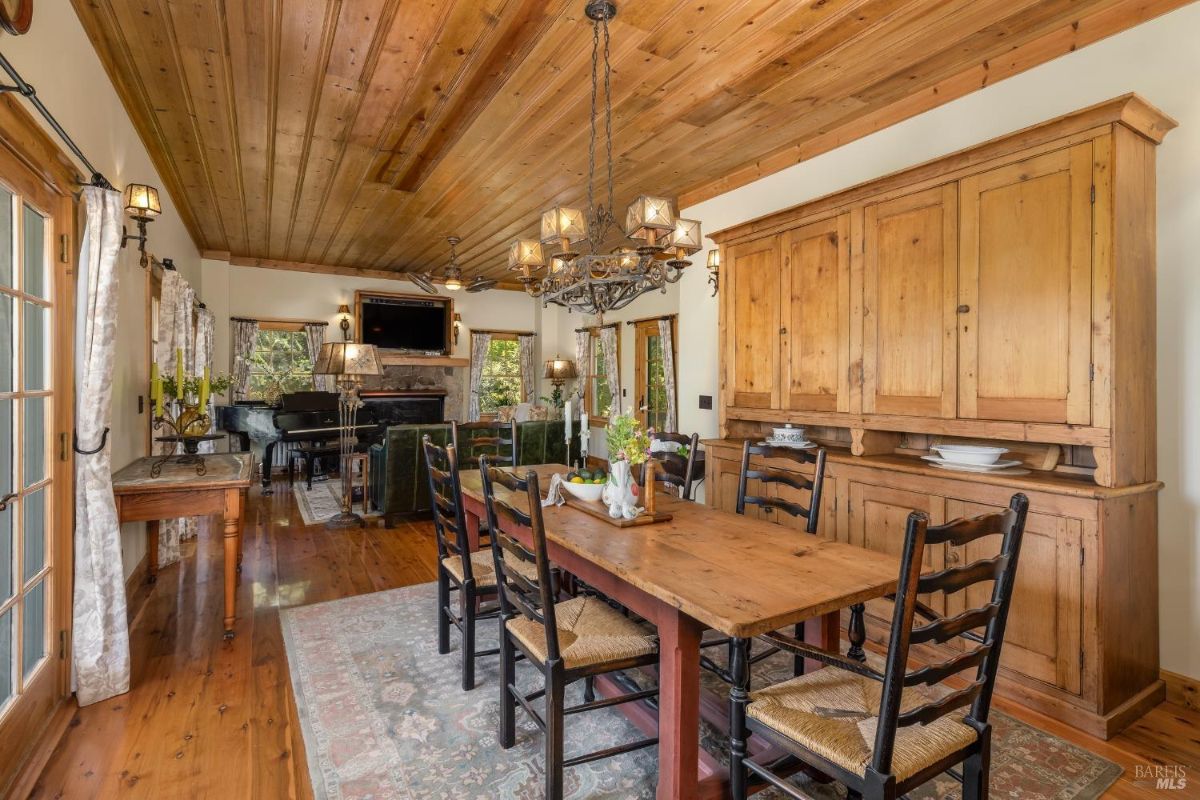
{"x": 360, "y": 133}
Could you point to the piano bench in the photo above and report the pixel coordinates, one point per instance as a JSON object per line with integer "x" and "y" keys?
{"x": 310, "y": 456}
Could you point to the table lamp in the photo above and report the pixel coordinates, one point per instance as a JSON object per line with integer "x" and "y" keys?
{"x": 349, "y": 363}
{"x": 558, "y": 371}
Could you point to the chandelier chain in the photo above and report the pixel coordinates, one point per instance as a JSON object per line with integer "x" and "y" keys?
{"x": 608, "y": 116}
{"x": 592, "y": 137}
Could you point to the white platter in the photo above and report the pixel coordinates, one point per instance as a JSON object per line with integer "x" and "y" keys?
{"x": 795, "y": 445}
{"x": 1004, "y": 467}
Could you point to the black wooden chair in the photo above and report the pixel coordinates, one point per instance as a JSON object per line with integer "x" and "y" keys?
{"x": 567, "y": 641}
{"x": 672, "y": 468}
{"x": 471, "y": 574}
{"x": 496, "y": 440}
{"x": 823, "y": 718}
{"x": 771, "y": 502}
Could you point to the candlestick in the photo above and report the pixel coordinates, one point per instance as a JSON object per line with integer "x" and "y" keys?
{"x": 204, "y": 389}
{"x": 179, "y": 374}
{"x": 156, "y": 390}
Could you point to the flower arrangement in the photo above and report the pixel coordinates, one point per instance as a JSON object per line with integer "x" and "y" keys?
{"x": 217, "y": 384}
{"x": 627, "y": 439}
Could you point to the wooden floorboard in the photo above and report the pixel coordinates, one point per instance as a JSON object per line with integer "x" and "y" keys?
{"x": 209, "y": 718}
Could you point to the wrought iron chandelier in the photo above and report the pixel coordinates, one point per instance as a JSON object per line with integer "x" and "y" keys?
{"x": 579, "y": 276}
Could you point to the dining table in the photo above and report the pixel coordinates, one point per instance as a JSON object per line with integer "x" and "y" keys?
{"x": 702, "y": 569}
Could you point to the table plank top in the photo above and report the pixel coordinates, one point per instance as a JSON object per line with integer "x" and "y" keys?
{"x": 737, "y": 575}
{"x": 222, "y": 471}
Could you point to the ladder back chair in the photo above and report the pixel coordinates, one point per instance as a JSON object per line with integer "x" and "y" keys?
{"x": 765, "y": 478}
{"x": 819, "y": 717}
{"x": 673, "y": 469}
{"x": 496, "y": 440}
{"x": 567, "y": 641}
{"x": 471, "y": 574}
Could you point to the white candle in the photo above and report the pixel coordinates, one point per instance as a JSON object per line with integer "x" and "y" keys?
{"x": 568, "y": 422}
{"x": 584, "y": 431}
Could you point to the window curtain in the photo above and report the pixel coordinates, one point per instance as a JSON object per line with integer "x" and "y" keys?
{"x": 528, "y": 377}
{"x": 245, "y": 336}
{"x": 583, "y": 362}
{"x": 205, "y": 321}
{"x": 612, "y": 370}
{"x": 99, "y": 632}
{"x": 479, "y": 349}
{"x": 667, "y": 340}
{"x": 315, "y": 333}
{"x": 172, "y": 532}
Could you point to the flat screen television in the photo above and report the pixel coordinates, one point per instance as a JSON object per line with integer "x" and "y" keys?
{"x": 405, "y": 324}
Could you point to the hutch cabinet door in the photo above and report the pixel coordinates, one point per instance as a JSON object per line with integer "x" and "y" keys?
{"x": 752, "y": 325}
{"x": 1042, "y": 638}
{"x": 724, "y": 486}
{"x": 1026, "y": 271}
{"x": 816, "y": 316}
{"x": 910, "y": 294}
{"x": 878, "y": 516}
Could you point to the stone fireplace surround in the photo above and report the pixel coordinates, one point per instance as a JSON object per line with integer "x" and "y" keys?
{"x": 451, "y": 380}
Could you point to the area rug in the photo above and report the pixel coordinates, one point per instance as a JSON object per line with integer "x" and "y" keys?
{"x": 322, "y": 501}
{"x": 384, "y": 716}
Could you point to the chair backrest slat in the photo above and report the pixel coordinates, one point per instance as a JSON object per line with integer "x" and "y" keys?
{"x": 517, "y": 593}
{"x": 991, "y": 616}
{"x": 449, "y": 521}
{"x": 792, "y": 479}
{"x": 496, "y": 440}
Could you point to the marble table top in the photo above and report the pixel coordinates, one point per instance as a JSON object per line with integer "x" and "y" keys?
{"x": 222, "y": 470}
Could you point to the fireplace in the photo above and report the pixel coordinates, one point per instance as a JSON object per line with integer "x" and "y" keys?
{"x": 407, "y": 407}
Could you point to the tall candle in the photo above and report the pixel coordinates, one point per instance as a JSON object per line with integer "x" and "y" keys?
{"x": 156, "y": 390}
{"x": 204, "y": 391}
{"x": 568, "y": 422}
{"x": 179, "y": 374}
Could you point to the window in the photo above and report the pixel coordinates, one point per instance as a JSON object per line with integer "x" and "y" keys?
{"x": 651, "y": 375}
{"x": 280, "y": 363}
{"x": 501, "y": 381}
{"x": 599, "y": 393}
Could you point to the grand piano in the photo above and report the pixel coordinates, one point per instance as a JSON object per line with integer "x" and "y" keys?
{"x": 301, "y": 418}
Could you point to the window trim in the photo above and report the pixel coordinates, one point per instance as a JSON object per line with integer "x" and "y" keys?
{"x": 502, "y": 336}
{"x": 643, "y": 329}
{"x": 589, "y": 380}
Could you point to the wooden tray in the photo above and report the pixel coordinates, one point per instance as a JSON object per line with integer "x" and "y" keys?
{"x": 599, "y": 511}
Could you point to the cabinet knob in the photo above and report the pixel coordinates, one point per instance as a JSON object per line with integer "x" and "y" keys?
{"x": 783, "y": 331}
{"x": 964, "y": 308}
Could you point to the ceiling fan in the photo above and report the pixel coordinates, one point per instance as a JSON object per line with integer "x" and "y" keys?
{"x": 453, "y": 277}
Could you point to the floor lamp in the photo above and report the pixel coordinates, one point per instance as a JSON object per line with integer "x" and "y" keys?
{"x": 349, "y": 363}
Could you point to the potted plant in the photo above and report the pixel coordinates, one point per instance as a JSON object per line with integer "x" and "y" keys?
{"x": 628, "y": 445}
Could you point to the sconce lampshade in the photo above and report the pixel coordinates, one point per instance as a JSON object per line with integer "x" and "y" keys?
{"x": 561, "y": 223}
{"x": 714, "y": 258}
{"x": 142, "y": 200}
{"x": 647, "y": 214}
{"x": 560, "y": 369}
{"x": 524, "y": 253}
{"x": 686, "y": 237}
{"x": 349, "y": 359}
{"x": 343, "y": 309}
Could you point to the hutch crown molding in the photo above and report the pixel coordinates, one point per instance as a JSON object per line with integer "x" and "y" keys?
{"x": 1004, "y": 293}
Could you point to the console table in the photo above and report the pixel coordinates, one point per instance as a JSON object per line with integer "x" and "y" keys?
{"x": 178, "y": 491}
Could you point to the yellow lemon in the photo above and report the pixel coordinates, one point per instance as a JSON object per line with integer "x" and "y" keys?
{"x": 577, "y": 479}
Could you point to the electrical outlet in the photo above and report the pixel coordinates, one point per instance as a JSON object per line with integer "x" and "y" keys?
{"x": 141, "y": 404}
{"x": 706, "y": 402}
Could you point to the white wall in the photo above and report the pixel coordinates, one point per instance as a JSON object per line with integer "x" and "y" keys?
{"x": 1160, "y": 60}
{"x": 58, "y": 60}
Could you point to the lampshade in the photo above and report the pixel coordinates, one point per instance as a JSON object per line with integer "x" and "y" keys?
{"x": 343, "y": 309}
{"x": 686, "y": 236}
{"x": 525, "y": 253}
{"x": 348, "y": 359}
{"x": 560, "y": 223}
{"x": 560, "y": 369}
{"x": 453, "y": 284}
{"x": 649, "y": 213}
{"x": 142, "y": 200}
{"x": 714, "y": 258}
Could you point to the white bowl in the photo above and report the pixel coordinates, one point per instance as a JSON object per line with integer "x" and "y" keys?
{"x": 584, "y": 491}
{"x": 970, "y": 454}
{"x": 787, "y": 434}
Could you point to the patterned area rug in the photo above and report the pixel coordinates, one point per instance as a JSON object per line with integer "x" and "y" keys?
{"x": 383, "y": 716}
{"x": 322, "y": 501}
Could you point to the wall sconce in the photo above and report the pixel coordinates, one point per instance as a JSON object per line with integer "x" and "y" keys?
{"x": 344, "y": 324}
{"x": 457, "y": 326}
{"x": 141, "y": 203}
{"x": 714, "y": 269}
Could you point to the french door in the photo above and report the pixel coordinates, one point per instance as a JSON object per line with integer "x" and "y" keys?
{"x": 35, "y": 482}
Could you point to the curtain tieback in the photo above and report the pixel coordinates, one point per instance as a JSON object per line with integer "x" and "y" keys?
{"x": 75, "y": 443}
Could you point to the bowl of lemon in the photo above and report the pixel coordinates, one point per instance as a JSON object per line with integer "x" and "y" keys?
{"x": 585, "y": 484}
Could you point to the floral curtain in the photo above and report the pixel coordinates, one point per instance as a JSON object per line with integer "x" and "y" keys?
{"x": 203, "y": 358}
{"x": 528, "y": 376}
{"x": 479, "y": 349}
{"x": 315, "y": 333}
{"x": 100, "y": 633}
{"x": 182, "y": 337}
{"x": 245, "y": 337}
{"x": 612, "y": 370}
{"x": 665, "y": 336}
{"x": 583, "y": 361}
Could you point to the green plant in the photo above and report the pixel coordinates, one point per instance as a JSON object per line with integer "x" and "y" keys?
{"x": 217, "y": 385}
{"x": 627, "y": 439}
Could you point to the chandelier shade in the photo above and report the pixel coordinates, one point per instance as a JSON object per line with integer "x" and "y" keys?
{"x": 685, "y": 239}
{"x": 524, "y": 253}
{"x": 563, "y": 224}
{"x": 649, "y": 216}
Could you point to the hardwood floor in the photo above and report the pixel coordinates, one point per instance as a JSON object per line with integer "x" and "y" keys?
{"x": 209, "y": 718}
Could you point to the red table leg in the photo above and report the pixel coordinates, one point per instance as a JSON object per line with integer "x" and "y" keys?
{"x": 678, "y": 705}
{"x": 472, "y": 525}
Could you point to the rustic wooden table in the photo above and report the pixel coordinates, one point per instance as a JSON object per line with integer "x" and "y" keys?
{"x": 177, "y": 490}
{"x": 702, "y": 569}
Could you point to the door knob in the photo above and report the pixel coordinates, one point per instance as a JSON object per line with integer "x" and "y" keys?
{"x": 4, "y": 501}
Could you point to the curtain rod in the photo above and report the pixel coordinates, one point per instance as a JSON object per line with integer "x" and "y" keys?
{"x": 510, "y": 333}
{"x": 24, "y": 89}
{"x": 651, "y": 319}
{"x": 167, "y": 264}
{"x": 279, "y": 319}
{"x": 597, "y": 327}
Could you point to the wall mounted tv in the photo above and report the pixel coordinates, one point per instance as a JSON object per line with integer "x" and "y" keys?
{"x": 414, "y": 324}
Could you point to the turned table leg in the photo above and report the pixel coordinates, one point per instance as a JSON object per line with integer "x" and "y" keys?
{"x": 232, "y": 537}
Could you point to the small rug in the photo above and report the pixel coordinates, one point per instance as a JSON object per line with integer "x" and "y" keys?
{"x": 323, "y": 501}
{"x": 384, "y": 716}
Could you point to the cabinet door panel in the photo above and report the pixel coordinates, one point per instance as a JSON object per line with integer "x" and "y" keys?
{"x": 1026, "y": 265}
{"x": 725, "y": 485}
{"x": 910, "y": 296}
{"x": 753, "y": 325}
{"x": 816, "y": 296}
{"x": 878, "y": 516}
{"x": 1042, "y": 638}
